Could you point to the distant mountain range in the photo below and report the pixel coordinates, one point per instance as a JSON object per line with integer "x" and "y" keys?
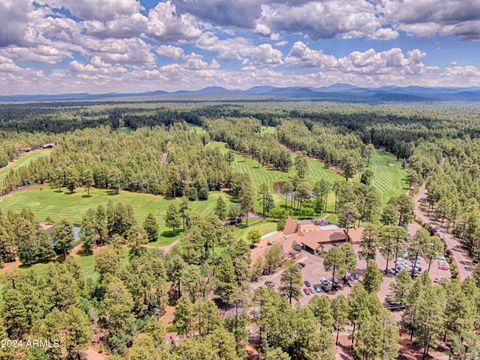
{"x": 336, "y": 92}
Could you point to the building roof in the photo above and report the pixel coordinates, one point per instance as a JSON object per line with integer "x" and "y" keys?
{"x": 262, "y": 247}
{"x": 308, "y": 242}
{"x": 328, "y": 227}
{"x": 355, "y": 234}
{"x": 307, "y": 227}
{"x": 325, "y": 236}
{"x": 290, "y": 226}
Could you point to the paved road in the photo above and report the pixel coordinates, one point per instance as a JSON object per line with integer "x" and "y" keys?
{"x": 465, "y": 264}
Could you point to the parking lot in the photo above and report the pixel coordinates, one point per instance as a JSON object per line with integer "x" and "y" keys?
{"x": 313, "y": 271}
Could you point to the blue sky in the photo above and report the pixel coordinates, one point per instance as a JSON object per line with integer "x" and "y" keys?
{"x": 55, "y": 46}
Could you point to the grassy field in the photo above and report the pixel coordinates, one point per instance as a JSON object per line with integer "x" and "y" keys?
{"x": 196, "y": 129}
{"x": 46, "y": 202}
{"x": 261, "y": 174}
{"x": 124, "y": 130}
{"x": 86, "y": 263}
{"x": 269, "y": 129}
{"x": 389, "y": 175}
{"x": 23, "y": 161}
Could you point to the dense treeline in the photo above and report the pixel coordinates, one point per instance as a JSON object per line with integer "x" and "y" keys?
{"x": 244, "y": 135}
{"x": 448, "y": 313}
{"x": 327, "y": 143}
{"x": 14, "y": 144}
{"x": 134, "y": 286}
{"x": 158, "y": 161}
{"x": 24, "y": 238}
{"x": 454, "y": 190}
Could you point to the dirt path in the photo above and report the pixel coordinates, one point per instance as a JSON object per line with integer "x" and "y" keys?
{"x": 93, "y": 354}
{"x": 165, "y": 248}
{"x": 165, "y": 158}
{"x": 461, "y": 258}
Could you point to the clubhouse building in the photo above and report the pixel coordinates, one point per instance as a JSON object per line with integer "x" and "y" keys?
{"x": 314, "y": 236}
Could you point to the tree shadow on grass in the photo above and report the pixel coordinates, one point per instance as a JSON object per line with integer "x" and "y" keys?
{"x": 170, "y": 233}
{"x": 241, "y": 226}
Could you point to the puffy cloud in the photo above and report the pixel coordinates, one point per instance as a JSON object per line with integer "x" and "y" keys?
{"x": 94, "y": 9}
{"x": 318, "y": 19}
{"x": 164, "y": 24}
{"x": 170, "y": 51}
{"x": 237, "y": 13}
{"x": 390, "y": 61}
{"x": 302, "y": 55}
{"x": 14, "y": 18}
{"x": 7, "y": 65}
{"x": 385, "y": 34}
{"x": 42, "y": 53}
{"x": 122, "y": 27}
{"x": 129, "y": 51}
{"x": 97, "y": 66}
{"x": 196, "y": 62}
{"x": 240, "y": 48}
{"x": 426, "y": 18}
{"x": 323, "y": 20}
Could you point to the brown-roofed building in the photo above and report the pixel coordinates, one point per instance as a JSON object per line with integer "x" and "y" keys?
{"x": 355, "y": 235}
{"x": 311, "y": 235}
{"x": 290, "y": 227}
{"x": 314, "y": 240}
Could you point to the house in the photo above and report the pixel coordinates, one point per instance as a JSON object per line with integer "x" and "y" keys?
{"x": 314, "y": 237}
{"x": 310, "y": 235}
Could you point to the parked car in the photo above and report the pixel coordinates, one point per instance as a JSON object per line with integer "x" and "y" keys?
{"x": 307, "y": 284}
{"x": 337, "y": 286}
{"x": 326, "y": 288}
{"x": 269, "y": 283}
{"x": 317, "y": 288}
{"x": 393, "y": 305}
{"x": 392, "y": 271}
{"x": 306, "y": 291}
{"x": 324, "y": 281}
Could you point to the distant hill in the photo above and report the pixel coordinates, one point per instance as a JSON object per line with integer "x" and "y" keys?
{"x": 335, "y": 92}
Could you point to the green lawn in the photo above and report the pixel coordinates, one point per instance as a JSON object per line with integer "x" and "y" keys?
{"x": 269, "y": 130}
{"x": 263, "y": 226}
{"x": 23, "y": 161}
{"x": 389, "y": 175}
{"x": 196, "y": 129}
{"x": 46, "y": 202}
{"x": 87, "y": 265}
{"x": 261, "y": 174}
{"x": 124, "y": 130}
